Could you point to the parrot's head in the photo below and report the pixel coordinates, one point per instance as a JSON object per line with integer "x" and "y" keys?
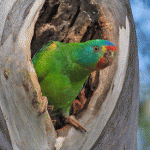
{"x": 96, "y": 54}
{"x": 108, "y": 57}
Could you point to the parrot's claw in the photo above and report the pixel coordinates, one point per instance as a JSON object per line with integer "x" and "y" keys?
{"x": 72, "y": 120}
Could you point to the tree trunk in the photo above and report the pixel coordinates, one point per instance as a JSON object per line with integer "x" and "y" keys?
{"x": 111, "y": 117}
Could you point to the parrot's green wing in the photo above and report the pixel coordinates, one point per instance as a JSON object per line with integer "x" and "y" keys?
{"x": 53, "y": 67}
{"x": 62, "y": 69}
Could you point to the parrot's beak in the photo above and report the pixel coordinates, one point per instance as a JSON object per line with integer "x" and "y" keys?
{"x": 109, "y": 53}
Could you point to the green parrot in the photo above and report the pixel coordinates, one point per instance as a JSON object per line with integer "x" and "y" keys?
{"x": 62, "y": 69}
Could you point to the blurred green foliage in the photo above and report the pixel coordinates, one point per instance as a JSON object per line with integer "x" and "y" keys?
{"x": 144, "y": 124}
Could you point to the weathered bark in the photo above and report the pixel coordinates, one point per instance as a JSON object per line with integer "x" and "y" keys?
{"x": 112, "y": 113}
{"x": 21, "y": 101}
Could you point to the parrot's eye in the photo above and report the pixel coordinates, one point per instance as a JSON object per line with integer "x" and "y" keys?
{"x": 96, "y": 48}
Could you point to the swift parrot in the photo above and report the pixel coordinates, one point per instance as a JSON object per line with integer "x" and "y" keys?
{"x": 62, "y": 69}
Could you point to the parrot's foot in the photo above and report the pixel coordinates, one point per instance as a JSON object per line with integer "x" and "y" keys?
{"x": 72, "y": 120}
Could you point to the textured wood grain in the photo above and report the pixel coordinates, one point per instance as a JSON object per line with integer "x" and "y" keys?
{"x": 21, "y": 101}
{"x": 112, "y": 113}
